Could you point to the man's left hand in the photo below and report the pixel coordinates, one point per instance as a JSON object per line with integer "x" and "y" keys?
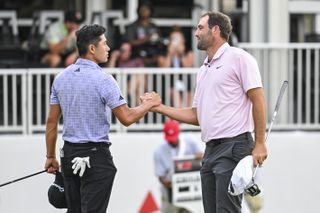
{"x": 259, "y": 153}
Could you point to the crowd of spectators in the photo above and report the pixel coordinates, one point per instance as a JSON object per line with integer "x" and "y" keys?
{"x": 141, "y": 45}
{"x": 144, "y": 45}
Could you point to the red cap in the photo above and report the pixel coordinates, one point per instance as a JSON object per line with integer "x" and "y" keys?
{"x": 171, "y": 130}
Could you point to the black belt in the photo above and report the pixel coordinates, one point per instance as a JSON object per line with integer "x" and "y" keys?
{"x": 88, "y": 144}
{"x": 218, "y": 141}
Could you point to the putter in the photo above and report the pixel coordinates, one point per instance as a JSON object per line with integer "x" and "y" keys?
{"x": 253, "y": 188}
{"x": 22, "y": 178}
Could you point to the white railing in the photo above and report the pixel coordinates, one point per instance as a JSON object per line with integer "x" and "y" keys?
{"x": 25, "y": 111}
{"x": 24, "y": 93}
{"x": 13, "y": 99}
{"x": 299, "y": 64}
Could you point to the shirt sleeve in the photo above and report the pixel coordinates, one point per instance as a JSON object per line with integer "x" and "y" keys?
{"x": 249, "y": 72}
{"x": 110, "y": 93}
{"x": 195, "y": 99}
{"x": 54, "y": 96}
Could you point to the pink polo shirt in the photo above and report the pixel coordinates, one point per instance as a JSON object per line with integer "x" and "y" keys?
{"x": 223, "y": 107}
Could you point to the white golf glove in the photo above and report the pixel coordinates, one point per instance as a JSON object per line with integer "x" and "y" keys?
{"x": 80, "y": 163}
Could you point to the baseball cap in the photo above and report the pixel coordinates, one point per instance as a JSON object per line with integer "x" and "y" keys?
{"x": 73, "y": 16}
{"x": 241, "y": 176}
{"x": 56, "y": 194}
{"x": 171, "y": 130}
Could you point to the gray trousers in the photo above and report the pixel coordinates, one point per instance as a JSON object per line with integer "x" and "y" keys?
{"x": 91, "y": 192}
{"x": 220, "y": 158}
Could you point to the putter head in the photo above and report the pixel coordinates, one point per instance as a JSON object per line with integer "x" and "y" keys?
{"x": 253, "y": 190}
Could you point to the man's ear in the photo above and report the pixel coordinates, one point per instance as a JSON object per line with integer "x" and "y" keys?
{"x": 92, "y": 49}
{"x": 215, "y": 29}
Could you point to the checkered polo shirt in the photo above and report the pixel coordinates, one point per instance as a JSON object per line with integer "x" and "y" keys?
{"x": 86, "y": 96}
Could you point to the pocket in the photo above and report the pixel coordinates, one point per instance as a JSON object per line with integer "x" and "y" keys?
{"x": 207, "y": 154}
{"x": 241, "y": 149}
{"x": 66, "y": 166}
{"x": 107, "y": 152}
{"x": 107, "y": 159}
{"x": 65, "y": 159}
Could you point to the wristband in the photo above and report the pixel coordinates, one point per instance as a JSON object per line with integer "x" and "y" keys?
{"x": 50, "y": 156}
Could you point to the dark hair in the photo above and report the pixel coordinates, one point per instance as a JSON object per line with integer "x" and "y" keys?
{"x": 222, "y": 20}
{"x": 73, "y": 16}
{"x": 147, "y": 4}
{"x": 88, "y": 34}
{"x": 176, "y": 28}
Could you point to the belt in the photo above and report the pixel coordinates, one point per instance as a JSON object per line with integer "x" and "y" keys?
{"x": 88, "y": 144}
{"x": 218, "y": 141}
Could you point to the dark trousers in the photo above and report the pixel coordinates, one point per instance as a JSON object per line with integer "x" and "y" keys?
{"x": 220, "y": 158}
{"x": 91, "y": 192}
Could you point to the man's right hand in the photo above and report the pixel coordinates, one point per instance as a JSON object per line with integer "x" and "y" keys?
{"x": 52, "y": 165}
{"x": 151, "y": 97}
{"x": 166, "y": 183}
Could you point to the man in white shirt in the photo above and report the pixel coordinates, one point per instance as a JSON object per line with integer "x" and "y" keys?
{"x": 174, "y": 146}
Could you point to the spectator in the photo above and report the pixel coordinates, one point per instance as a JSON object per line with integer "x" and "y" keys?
{"x": 143, "y": 35}
{"x": 174, "y": 146}
{"x": 59, "y": 45}
{"x": 178, "y": 56}
{"x": 123, "y": 58}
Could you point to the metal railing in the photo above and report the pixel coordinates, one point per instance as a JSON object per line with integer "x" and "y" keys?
{"x": 299, "y": 64}
{"x": 24, "y": 93}
{"x": 13, "y": 99}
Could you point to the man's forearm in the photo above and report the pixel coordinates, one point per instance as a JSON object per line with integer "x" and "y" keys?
{"x": 184, "y": 115}
{"x": 136, "y": 113}
{"x": 259, "y": 117}
{"x": 51, "y": 138}
{"x": 256, "y": 96}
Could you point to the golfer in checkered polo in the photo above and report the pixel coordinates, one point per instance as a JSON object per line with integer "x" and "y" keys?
{"x": 84, "y": 95}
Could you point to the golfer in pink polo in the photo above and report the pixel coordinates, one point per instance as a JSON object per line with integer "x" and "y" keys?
{"x": 228, "y": 105}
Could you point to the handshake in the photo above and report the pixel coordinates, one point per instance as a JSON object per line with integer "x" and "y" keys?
{"x": 151, "y": 99}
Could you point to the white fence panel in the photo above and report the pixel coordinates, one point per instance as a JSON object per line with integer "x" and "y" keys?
{"x": 299, "y": 64}
{"x": 25, "y": 93}
{"x": 13, "y": 101}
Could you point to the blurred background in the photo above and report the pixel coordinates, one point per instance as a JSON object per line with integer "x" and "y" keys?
{"x": 283, "y": 35}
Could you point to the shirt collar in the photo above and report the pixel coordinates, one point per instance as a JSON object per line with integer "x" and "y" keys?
{"x": 86, "y": 62}
{"x": 219, "y": 53}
